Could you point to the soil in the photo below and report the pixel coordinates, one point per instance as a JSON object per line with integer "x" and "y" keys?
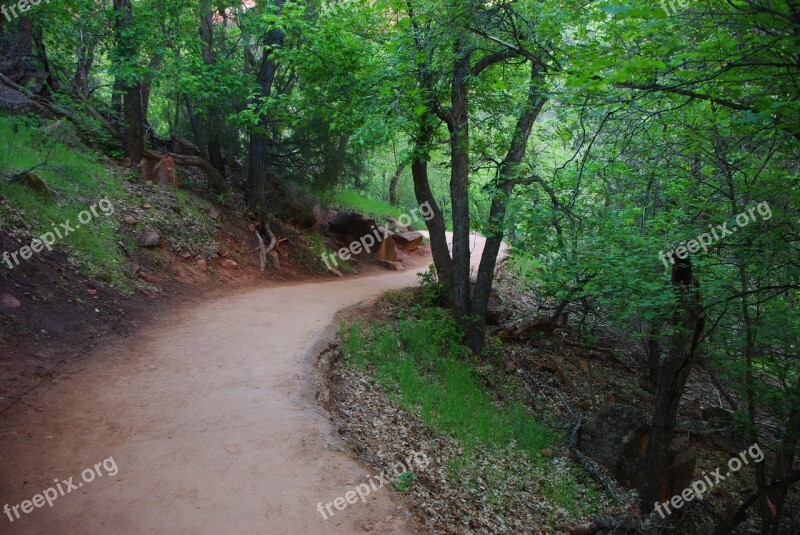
{"x": 205, "y": 402}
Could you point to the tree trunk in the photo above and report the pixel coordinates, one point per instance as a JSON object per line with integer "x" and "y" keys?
{"x": 132, "y": 106}
{"x": 422, "y": 189}
{"x": 85, "y": 60}
{"x": 258, "y": 170}
{"x": 672, "y": 377}
{"x": 41, "y": 57}
{"x": 194, "y": 121}
{"x": 459, "y": 181}
{"x": 393, "y": 183}
{"x": 133, "y": 135}
{"x": 508, "y": 174}
{"x": 213, "y": 124}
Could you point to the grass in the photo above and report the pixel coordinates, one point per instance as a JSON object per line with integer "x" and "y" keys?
{"x": 425, "y": 366}
{"x": 352, "y": 200}
{"x": 77, "y": 178}
{"x": 422, "y": 364}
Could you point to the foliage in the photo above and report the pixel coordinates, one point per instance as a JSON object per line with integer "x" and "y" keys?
{"x": 77, "y": 179}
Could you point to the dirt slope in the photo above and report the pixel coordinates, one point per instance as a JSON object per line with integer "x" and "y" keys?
{"x": 211, "y": 421}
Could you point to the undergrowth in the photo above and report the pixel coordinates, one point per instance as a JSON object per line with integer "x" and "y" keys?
{"x": 76, "y": 178}
{"x": 420, "y": 360}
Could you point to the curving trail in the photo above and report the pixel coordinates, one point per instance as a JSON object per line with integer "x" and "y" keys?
{"x": 211, "y": 420}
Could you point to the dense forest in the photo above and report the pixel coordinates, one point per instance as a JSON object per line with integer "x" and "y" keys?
{"x": 633, "y": 166}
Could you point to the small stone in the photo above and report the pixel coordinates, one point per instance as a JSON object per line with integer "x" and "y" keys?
{"x": 129, "y": 219}
{"x": 202, "y": 264}
{"x": 9, "y": 301}
{"x": 149, "y": 238}
{"x": 147, "y": 206}
{"x": 395, "y": 266}
{"x": 229, "y": 264}
{"x": 152, "y": 279}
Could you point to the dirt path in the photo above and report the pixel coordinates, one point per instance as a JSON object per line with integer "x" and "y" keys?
{"x": 212, "y": 424}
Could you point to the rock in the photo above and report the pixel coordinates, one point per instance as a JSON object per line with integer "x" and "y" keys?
{"x": 717, "y": 414}
{"x": 680, "y": 471}
{"x": 229, "y": 264}
{"x": 34, "y": 183}
{"x": 398, "y": 226}
{"x": 152, "y": 279}
{"x": 147, "y": 206}
{"x": 14, "y": 101}
{"x": 145, "y": 168}
{"x": 202, "y": 264}
{"x": 149, "y": 238}
{"x": 9, "y": 301}
{"x": 387, "y": 250}
{"x": 554, "y": 367}
{"x": 395, "y": 266}
{"x": 214, "y": 213}
{"x": 165, "y": 172}
{"x": 409, "y": 241}
{"x": 352, "y": 225}
{"x": 617, "y": 437}
{"x": 129, "y": 219}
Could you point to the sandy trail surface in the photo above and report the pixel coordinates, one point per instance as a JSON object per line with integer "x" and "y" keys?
{"x": 211, "y": 420}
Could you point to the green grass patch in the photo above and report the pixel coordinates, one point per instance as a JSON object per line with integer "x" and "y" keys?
{"x": 352, "y": 200}
{"x": 423, "y": 363}
{"x": 424, "y": 367}
{"x": 77, "y": 179}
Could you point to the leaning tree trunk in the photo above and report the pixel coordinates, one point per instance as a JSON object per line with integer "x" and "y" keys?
{"x": 672, "y": 377}
{"x": 422, "y": 189}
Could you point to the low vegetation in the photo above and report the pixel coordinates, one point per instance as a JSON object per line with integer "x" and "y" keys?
{"x": 417, "y": 355}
